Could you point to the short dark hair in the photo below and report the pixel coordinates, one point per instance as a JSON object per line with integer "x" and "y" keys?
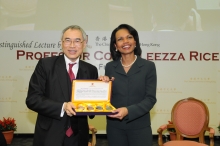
{"x": 116, "y": 54}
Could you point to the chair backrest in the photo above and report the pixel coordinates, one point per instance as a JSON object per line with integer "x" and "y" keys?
{"x": 190, "y": 117}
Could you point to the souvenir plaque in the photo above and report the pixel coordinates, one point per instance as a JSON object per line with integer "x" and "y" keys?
{"x": 92, "y": 97}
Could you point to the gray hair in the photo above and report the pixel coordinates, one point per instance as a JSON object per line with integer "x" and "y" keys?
{"x": 75, "y": 27}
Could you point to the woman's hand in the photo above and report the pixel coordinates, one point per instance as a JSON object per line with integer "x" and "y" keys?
{"x": 106, "y": 78}
{"x": 120, "y": 113}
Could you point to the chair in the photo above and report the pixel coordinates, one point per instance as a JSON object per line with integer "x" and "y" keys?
{"x": 93, "y": 130}
{"x": 190, "y": 118}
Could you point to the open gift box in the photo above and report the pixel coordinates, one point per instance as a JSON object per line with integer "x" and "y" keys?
{"x": 92, "y": 97}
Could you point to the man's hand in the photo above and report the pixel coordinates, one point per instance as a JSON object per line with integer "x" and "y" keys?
{"x": 69, "y": 108}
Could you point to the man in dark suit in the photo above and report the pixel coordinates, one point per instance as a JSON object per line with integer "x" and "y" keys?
{"x": 49, "y": 94}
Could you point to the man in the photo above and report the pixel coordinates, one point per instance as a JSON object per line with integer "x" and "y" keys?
{"x": 49, "y": 94}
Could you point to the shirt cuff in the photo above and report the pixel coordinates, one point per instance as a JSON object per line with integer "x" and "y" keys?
{"x": 62, "y": 111}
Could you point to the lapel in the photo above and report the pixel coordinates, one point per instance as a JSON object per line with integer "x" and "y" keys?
{"x": 82, "y": 71}
{"x": 136, "y": 67}
{"x": 133, "y": 70}
{"x": 118, "y": 67}
{"x": 63, "y": 77}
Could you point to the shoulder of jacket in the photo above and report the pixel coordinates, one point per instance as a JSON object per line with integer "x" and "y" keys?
{"x": 50, "y": 58}
{"x": 146, "y": 61}
{"x": 112, "y": 63}
{"x": 86, "y": 63}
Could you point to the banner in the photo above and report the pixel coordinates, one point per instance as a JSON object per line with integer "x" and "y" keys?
{"x": 187, "y": 65}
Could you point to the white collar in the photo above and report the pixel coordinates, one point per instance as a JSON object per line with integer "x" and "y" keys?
{"x": 67, "y": 60}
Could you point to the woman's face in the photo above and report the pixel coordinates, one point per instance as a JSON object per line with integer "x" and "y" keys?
{"x": 125, "y": 42}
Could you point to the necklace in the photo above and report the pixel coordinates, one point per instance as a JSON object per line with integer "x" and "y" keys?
{"x": 129, "y": 64}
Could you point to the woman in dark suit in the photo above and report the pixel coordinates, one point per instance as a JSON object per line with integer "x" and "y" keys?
{"x": 133, "y": 90}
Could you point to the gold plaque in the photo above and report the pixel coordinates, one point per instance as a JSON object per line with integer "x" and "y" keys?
{"x": 92, "y": 97}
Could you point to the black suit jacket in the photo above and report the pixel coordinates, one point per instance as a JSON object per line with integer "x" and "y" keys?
{"x": 135, "y": 90}
{"x": 49, "y": 88}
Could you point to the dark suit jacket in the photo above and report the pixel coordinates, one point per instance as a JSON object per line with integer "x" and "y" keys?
{"x": 49, "y": 88}
{"x": 135, "y": 90}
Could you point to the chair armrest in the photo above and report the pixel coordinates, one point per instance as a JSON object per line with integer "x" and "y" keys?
{"x": 211, "y": 135}
{"x": 170, "y": 126}
{"x": 160, "y": 131}
{"x": 163, "y": 127}
{"x": 211, "y": 131}
{"x": 94, "y": 131}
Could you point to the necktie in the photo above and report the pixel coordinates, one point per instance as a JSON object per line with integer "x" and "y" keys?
{"x": 69, "y": 131}
{"x": 71, "y": 74}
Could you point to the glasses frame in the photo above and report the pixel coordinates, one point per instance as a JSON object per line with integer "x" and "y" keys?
{"x": 77, "y": 42}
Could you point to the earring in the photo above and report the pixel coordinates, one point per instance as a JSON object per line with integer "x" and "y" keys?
{"x": 116, "y": 50}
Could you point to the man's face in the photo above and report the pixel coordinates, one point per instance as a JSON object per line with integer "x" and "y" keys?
{"x": 73, "y": 44}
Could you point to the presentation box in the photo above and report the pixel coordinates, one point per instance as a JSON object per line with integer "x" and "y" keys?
{"x": 92, "y": 97}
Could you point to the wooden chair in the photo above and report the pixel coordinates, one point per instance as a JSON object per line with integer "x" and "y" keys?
{"x": 93, "y": 130}
{"x": 190, "y": 118}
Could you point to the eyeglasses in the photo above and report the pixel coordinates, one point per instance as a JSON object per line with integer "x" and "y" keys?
{"x": 76, "y": 42}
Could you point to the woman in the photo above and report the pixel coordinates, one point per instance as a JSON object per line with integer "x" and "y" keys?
{"x": 133, "y": 90}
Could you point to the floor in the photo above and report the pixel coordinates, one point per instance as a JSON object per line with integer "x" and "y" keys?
{"x": 26, "y": 140}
